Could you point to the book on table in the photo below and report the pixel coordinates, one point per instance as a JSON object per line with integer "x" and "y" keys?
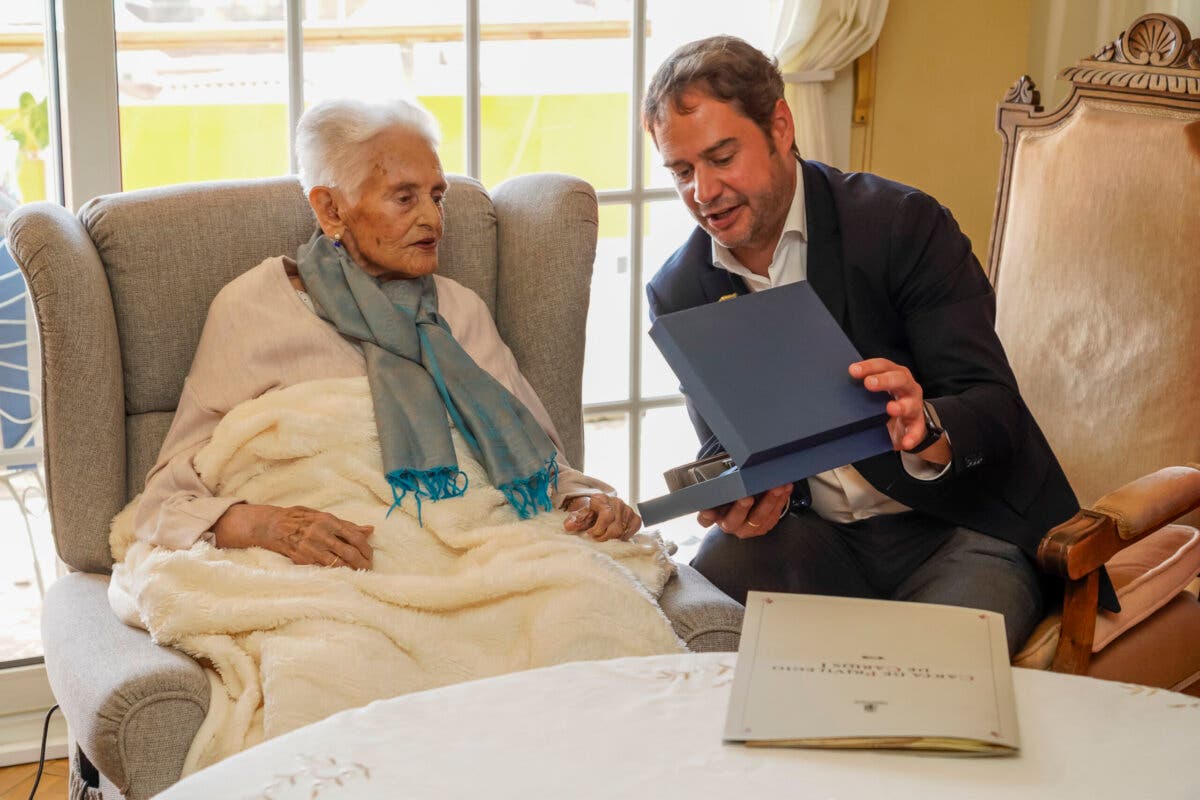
{"x": 768, "y": 373}
{"x": 841, "y": 672}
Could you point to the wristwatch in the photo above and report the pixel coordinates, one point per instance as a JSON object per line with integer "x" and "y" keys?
{"x": 933, "y": 431}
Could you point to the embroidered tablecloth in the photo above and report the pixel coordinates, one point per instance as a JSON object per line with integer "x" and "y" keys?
{"x": 651, "y": 728}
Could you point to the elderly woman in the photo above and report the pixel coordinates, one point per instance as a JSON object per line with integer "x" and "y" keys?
{"x": 362, "y": 297}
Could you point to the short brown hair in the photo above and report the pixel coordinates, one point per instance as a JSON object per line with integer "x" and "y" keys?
{"x": 725, "y": 68}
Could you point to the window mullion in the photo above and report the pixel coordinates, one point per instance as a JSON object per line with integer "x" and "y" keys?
{"x": 91, "y": 134}
{"x": 55, "y": 99}
{"x": 294, "y": 48}
{"x": 473, "y": 99}
{"x": 637, "y": 210}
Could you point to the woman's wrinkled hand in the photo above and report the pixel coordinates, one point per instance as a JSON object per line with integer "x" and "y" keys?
{"x": 304, "y": 535}
{"x": 602, "y": 517}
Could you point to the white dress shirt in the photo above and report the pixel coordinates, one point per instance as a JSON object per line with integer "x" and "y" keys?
{"x": 841, "y": 494}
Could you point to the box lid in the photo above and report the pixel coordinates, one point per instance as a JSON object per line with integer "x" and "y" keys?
{"x": 768, "y": 372}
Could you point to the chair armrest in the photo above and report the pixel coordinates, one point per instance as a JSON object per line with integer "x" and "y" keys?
{"x": 1146, "y": 504}
{"x": 704, "y": 617}
{"x": 1087, "y": 541}
{"x": 1078, "y": 548}
{"x": 83, "y": 389}
{"x": 132, "y": 706}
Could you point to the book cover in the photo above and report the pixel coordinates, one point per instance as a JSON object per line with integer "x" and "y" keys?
{"x": 816, "y": 671}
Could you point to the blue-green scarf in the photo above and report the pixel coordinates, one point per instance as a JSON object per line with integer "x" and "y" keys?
{"x": 418, "y": 373}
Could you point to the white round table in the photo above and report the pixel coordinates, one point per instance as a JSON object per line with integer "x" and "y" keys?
{"x": 651, "y": 728}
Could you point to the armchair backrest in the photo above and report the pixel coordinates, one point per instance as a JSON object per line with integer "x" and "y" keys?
{"x": 121, "y": 293}
{"x": 1095, "y": 256}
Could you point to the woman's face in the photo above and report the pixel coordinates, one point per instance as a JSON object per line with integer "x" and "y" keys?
{"x": 393, "y": 228}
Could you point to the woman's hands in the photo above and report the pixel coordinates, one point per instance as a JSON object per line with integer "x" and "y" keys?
{"x": 304, "y": 535}
{"x": 308, "y": 536}
{"x": 602, "y": 517}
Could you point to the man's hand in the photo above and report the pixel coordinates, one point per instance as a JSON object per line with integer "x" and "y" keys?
{"x": 602, "y": 517}
{"x": 906, "y": 409}
{"x": 750, "y": 516}
{"x": 304, "y": 535}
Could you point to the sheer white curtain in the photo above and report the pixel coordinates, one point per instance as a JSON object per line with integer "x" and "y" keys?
{"x": 1064, "y": 31}
{"x": 813, "y": 40}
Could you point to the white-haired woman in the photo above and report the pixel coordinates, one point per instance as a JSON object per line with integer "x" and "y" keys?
{"x": 360, "y": 298}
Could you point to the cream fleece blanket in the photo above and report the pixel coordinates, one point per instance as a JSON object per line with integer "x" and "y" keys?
{"x": 475, "y": 592}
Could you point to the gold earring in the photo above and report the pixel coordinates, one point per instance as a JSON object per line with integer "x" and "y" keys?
{"x": 337, "y": 239}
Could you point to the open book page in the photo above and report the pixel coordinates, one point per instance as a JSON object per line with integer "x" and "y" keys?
{"x": 843, "y": 672}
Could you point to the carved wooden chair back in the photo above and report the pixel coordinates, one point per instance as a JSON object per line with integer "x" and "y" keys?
{"x": 1095, "y": 256}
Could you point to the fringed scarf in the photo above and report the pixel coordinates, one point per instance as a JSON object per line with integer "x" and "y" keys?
{"x": 418, "y": 373}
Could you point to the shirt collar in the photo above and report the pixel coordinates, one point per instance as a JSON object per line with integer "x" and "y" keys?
{"x": 796, "y": 222}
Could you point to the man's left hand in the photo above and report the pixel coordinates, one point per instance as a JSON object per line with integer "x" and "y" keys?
{"x": 906, "y": 409}
{"x": 602, "y": 517}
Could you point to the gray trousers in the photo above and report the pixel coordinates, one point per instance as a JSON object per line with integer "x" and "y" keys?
{"x": 906, "y": 556}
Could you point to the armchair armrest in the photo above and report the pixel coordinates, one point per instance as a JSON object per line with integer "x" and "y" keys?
{"x": 83, "y": 390}
{"x": 133, "y": 707}
{"x": 704, "y": 617}
{"x": 1084, "y": 543}
{"x": 1079, "y": 547}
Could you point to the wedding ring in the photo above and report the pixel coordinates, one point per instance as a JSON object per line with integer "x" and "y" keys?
{"x": 752, "y": 524}
{"x": 336, "y": 560}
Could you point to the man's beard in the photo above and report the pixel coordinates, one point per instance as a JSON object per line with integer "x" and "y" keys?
{"x": 767, "y": 210}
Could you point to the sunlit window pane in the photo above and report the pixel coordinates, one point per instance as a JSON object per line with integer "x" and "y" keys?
{"x": 555, "y": 80}
{"x": 202, "y": 91}
{"x": 667, "y": 226}
{"x": 378, "y": 51}
{"x": 27, "y": 560}
{"x": 26, "y": 172}
{"x": 606, "y": 449}
{"x": 671, "y": 23}
{"x": 606, "y": 356}
{"x": 667, "y": 441}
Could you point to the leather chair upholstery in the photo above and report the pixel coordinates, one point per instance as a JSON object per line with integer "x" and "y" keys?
{"x": 1094, "y": 257}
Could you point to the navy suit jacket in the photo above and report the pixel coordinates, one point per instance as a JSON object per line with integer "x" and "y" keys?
{"x": 898, "y": 275}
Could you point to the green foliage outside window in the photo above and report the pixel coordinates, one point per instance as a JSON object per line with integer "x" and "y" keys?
{"x": 29, "y": 126}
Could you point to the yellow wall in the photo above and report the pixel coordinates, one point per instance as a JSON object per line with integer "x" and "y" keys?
{"x": 942, "y": 67}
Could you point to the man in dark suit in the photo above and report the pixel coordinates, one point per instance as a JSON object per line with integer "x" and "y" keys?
{"x": 953, "y": 516}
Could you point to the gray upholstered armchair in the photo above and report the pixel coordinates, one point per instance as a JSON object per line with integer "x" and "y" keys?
{"x": 121, "y": 293}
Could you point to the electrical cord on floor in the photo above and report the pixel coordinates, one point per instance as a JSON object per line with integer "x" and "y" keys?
{"x": 42, "y": 757}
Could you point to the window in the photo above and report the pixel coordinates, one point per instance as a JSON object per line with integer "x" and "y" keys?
{"x": 375, "y": 51}
{"x": 202, "y": 91}
{"x": 27, "y": 173}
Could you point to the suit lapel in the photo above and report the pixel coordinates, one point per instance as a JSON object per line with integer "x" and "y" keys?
{"x": 717, "y": 283}
{"x": 824, "y": 243}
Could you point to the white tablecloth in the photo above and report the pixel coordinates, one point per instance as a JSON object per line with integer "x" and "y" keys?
{"x": 651, "y": 728}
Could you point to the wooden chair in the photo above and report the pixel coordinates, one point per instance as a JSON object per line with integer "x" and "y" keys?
{"x": 1095, "y": 256}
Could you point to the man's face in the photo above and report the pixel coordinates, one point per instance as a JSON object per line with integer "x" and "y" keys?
{"x": 394, "y": 226}
{"x": 737, "y": 182}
